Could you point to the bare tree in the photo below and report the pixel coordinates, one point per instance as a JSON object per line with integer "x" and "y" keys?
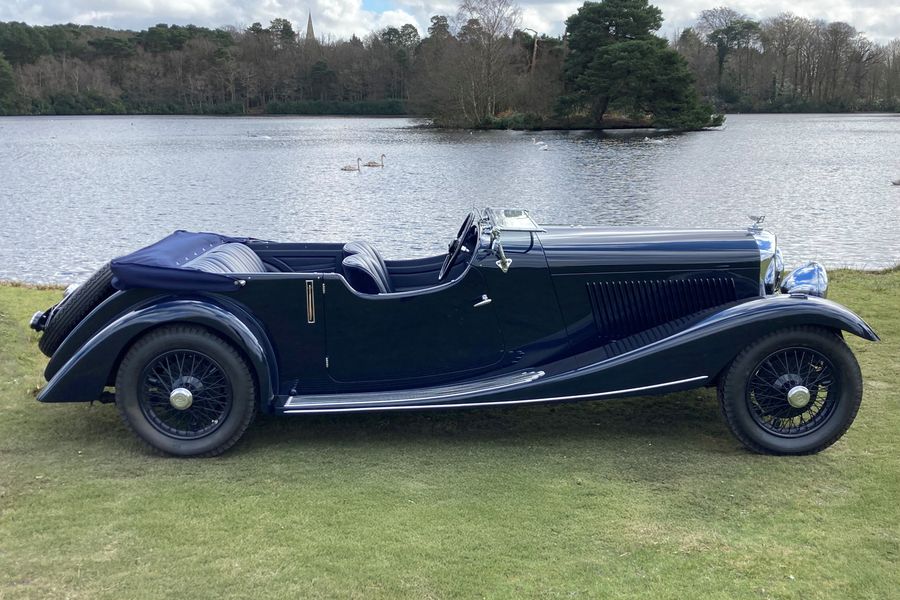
{"x": 486, "y": 37}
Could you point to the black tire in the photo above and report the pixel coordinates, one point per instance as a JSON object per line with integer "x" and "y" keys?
{"x": 74, "y": 307}
{"x": 181, "y": 356}
{"x": 754, "y": 399}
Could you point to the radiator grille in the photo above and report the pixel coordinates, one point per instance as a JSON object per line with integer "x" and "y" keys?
{"x": 623, "y": 308}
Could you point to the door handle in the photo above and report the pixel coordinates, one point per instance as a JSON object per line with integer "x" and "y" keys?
{"x": 310, "y": 302}
{"x": 483, "y": 302}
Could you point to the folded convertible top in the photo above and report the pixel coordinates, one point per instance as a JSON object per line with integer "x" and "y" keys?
{"x": 171, "y": 264}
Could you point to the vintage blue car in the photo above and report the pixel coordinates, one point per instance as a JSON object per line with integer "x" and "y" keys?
{"x": 193, "y": 335}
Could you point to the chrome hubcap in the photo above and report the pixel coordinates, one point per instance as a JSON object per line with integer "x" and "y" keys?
{"x": 182, "y": 398}
{"x": 798, "y": 396}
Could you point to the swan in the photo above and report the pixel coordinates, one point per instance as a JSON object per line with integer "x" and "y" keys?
{"x": 896, "y": 182}
{"x": 351, "y": 167}
{"x": 375, "y": 163}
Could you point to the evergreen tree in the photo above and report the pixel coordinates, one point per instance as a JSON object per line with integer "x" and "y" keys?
{"x": 616, "y": 62}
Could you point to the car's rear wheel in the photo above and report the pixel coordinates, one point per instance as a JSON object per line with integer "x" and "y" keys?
{"x": 795, "y": 391}
{"x": 185, "y": 392}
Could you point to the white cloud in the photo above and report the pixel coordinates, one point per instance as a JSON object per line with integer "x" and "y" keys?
{"x": 549, "y": 18}
{"x": 396, "y": 18}
{"x": 93, "y": 17}
{"x": 879, "y": 19}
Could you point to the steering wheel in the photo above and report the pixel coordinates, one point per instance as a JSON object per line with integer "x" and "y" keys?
{"x": 456, "y": 246}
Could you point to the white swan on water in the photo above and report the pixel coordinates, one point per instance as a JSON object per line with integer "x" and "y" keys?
{"x": 375, "y": 163}
{"x": 351, "y": 167}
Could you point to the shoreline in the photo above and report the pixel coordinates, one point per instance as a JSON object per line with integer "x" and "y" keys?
{"x": 501, "y": 124}
{"x": 424, "y": 125}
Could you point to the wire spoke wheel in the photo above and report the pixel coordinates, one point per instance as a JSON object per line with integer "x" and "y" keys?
{"x": 184, "y": 391}
{"x": 185, "y": 394}
{"x": 792, "y": 391}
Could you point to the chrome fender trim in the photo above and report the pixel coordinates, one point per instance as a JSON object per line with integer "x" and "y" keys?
{"x": 655, "y": 386}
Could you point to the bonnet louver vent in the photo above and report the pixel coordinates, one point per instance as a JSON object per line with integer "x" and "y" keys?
{"x": 623, "y": 308}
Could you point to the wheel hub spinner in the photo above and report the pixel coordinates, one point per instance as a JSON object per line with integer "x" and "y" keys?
{"x": 798, "y": 396}
{"x": 181, "y": 398}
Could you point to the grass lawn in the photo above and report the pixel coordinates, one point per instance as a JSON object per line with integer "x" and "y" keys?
{"x": 647, "y": 497}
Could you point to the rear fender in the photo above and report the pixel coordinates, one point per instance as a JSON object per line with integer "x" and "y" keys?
{"x": 84, "y": 375}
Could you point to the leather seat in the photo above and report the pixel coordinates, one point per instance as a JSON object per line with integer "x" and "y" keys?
{"x": 365, "y": 269}
{"x": 228, "y": 258}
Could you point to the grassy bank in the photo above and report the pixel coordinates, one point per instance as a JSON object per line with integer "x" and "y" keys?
{"x": 631, "y": 498}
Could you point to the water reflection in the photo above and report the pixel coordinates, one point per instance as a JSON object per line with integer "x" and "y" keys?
{"x": 77, "y": 191}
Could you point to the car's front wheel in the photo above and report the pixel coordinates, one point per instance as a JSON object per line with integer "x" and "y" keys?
{"x": 795, "y": 391}
{"x": 185, "y": 392}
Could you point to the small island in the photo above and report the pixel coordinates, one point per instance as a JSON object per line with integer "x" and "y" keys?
{"x": 479, "y": 68}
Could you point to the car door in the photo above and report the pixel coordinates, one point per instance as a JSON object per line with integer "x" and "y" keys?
{"x": 412, "y": 338}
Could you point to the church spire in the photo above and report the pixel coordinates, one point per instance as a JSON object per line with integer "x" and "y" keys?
{"x": 310, "y": 34}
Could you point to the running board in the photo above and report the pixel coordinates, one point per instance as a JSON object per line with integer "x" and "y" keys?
{"x": 300, "y": 406}
{"x": 417, "y": 395}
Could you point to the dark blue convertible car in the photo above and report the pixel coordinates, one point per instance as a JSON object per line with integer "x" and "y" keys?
{"x": 193, "y": 335}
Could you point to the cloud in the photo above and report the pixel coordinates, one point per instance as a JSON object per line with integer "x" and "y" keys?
{"x": 335, "y": 18}
{"x": 879, "y": 19}
{"x": 396, "y": 18}
{"x": 548, "y": 18}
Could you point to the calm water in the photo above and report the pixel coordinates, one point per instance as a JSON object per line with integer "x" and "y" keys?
{"x": 75, "y": 192}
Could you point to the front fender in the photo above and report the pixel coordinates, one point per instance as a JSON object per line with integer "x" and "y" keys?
{"x": 775, "y": 312}
{"x": 702, "y": 350}
{"x": 692, "y": 357}
{"x": 84, "y": 375}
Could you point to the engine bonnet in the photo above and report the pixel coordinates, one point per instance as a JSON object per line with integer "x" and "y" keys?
{"x": 573, "y": 250}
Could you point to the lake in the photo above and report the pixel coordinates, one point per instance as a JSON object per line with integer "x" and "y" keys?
{"x": 76, "y": 191}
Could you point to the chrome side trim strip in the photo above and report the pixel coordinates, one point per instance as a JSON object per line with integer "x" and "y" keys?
{"x": 497, "y": 383}
{"x": 502, "y": 402}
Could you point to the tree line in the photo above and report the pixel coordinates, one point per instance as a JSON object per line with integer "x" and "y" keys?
{"x": 477, "y": 68}
{"x": 789, "y": 63}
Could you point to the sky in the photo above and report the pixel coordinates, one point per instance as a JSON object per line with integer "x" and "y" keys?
{"x": 878, "y": 19}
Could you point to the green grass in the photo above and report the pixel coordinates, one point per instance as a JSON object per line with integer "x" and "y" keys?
{"x": 629, "y": 498}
